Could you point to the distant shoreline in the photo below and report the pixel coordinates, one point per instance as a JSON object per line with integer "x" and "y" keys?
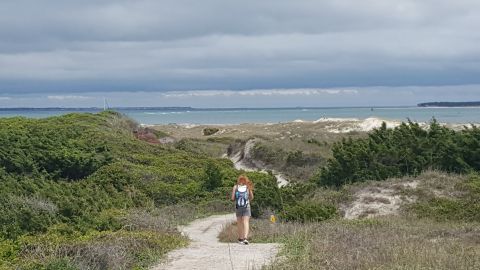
{"x": 450, "y": 104}
{"x": 190, "y": 115}
{"x": 192, "y": 108}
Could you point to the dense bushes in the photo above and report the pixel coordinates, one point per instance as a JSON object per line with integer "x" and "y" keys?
{"x": 405, "y": 150}
{"x": 53, "y": 146}
{"x": 308, "y": 211}
{"x": 74, "y": 179}
{"x": 210, "y": 131}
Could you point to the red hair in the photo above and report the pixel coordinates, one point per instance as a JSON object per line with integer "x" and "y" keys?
{"x": 243, "y": 180}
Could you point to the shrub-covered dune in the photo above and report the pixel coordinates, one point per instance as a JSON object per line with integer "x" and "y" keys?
{"x": 79, "y": 191}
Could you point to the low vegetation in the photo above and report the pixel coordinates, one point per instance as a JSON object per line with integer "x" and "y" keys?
{"x": 210, "y": 131}
{"x": 84, "y": 191}
{"x": 296, "y": 150}
{"x": 423, "y": 234}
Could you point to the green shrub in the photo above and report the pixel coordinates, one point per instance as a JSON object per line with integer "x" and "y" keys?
{"x": 266, "y": 154}
{"x": 266, "y": 193}
{"x": 405, "y": 150}
{"x": 210, "y": 131}
{"x": 295, "y": 158}
{"x": 213, "y": 177}
{"x": 308, "y": 211}
{"x": 8, "y": 251}
{"x": 60, "y": 264}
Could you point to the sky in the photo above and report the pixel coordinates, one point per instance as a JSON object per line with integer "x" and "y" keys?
{"x": 220, "y": 53}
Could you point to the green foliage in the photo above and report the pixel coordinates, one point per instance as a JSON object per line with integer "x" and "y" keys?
{"x": 295, "y": 158}
{"x": 405, "y": 150}
{"x": 266, "y": 154}
{"x": 65, "y": 179}
{"x": 309, "y": 211}
{"x": 8, "y": 251}
{"x": 213, "y": 177}
{"x": 60, "y": 264}
{"x": 210, "y": 131}
{"x": 266, "y": 193}
{"x": 62, "y": 149}
{"x": 465, "y": 206}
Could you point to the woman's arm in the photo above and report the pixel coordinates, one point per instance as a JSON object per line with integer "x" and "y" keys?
{"x": 232, "y": 197}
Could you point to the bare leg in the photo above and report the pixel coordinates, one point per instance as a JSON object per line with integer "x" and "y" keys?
{"x": 240, "y": 227}
{"x": 246, "y": 226}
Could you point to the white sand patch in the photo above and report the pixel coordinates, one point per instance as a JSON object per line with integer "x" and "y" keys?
{"x": 350, "y": 124}
{"x": 371, "y": 123}
{"x": 189, "y": 126}
{"x": 281, "y": 180}
{"x": 324, "y": 119}
{"x": 377, "y": 201}
{"x": 222, "y": 131}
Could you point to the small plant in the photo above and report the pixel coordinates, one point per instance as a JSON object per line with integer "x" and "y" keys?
{"x": 295, "y": 158}
{"x": 210, "y": 131}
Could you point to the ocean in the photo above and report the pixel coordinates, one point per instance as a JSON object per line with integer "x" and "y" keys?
{"x": 151, "y": 116}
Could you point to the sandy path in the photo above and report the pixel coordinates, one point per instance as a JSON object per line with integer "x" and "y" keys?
{"x": 205, "y": 252}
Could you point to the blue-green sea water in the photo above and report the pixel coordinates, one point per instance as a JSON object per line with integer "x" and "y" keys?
{"x": 461, "y": 115}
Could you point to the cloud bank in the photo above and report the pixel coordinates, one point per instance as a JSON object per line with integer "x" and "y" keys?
{"x": 148, "y": 45}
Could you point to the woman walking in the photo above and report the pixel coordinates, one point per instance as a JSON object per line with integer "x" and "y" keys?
{"x": 242, "y": 194}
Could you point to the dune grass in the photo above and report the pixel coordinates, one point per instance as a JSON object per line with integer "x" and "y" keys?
{"x": 380, "y": 243}
{"x": 440, "y": 229}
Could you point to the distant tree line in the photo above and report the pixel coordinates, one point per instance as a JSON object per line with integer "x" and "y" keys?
{"x": 450, "y": 104}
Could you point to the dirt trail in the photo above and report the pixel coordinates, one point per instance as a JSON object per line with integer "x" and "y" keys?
{"x": 206, "y": 252}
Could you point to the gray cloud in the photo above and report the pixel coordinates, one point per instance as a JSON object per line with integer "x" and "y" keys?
{"x": 147, "y": 45}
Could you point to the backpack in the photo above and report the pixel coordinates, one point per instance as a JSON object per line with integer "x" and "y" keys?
{"x": 241, "y": 198}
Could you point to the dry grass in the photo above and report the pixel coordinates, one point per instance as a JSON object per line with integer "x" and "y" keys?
{"x": 400, "y": 241}
{"x": 146, "y": 235}
{"x": 389, "y": 243}
{"x": 370, "y": 199}
{"x": 104, "y": 250}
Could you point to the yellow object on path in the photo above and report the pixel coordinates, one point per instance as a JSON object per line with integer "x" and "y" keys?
{"x": 273, "y": 219}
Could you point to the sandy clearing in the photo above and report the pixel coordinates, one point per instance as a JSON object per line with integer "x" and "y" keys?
{"x": 206, "y": 252}
{"x": 378, "y": 201}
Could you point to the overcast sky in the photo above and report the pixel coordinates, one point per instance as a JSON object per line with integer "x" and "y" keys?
{"x": 217, "y": 53}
